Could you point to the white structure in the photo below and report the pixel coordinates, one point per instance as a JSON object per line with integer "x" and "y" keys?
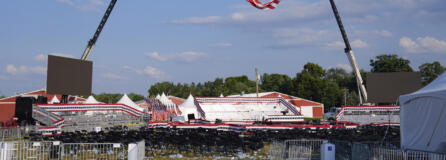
{"x": 127, "y": 101}
{"x": 91, "y": 100}
{"x": 168, "y": 103}
{"x": 188, "y": 107}
{"x": 423, "y": 118}
{"x": 306, "y": 107}
{"x": 54, "y": 100}
{"x": 243, "y": 109}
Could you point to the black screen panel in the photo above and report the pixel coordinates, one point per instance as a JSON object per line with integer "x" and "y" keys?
{"x": 387, "y": 87}
{"x": 69, "y": 76}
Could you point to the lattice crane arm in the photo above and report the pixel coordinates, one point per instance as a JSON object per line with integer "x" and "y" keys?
{"x": 93, "y": 40}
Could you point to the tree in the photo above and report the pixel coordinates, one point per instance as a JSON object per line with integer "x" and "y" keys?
{"x": 163, "y": 87}
{"x": 108, "y": 97}
{"x": 312, "y": 84}
{"x": 390, "y": 63}
{"x": 430, "y": 71}
{"x": 276, "y": 82}
{"x": 1, "y": 97}
{"x": 135, "y": 97}
{"x": 237, "y": 85}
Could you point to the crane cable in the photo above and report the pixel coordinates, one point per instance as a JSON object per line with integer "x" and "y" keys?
{"x": 269, "y": 5}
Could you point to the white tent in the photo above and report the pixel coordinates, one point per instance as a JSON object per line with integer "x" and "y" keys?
{"x": 188, "y": 107}
{"x": 423, "y": 118}
{"x": 127, "y": 101}
{"x": 91, "y": 100}
{"x": 54, "y": 100}
{"x": 167, "y": 102}
{"x": 158, "y": 96}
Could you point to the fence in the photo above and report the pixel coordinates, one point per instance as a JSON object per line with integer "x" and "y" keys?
{"x": 19, "y": 150}
{"x": 310, "y": 150}
{"x": 9, "y": 133}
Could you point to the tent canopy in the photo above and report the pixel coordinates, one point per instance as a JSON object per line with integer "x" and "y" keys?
{"x": 54, "y": 100}
{"x": 188, "y": 107}
{"x": 91, "y": 100}
{"x": 127, "y": 101}
{"x": 423, "y": 118}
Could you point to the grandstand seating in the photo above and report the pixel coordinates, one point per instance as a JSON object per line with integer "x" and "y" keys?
{"x": 86, "y": 117}
{"x": 370, "y": 114}
{"x": 243, "y": 109}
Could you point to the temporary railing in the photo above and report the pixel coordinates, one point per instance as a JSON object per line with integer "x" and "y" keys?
{"x": 47, "y": 118}
{"x": 310, "y": 149}
{"x": 11, "y": 132}
{"x": 91, "y": 107}
{"x": 18, "y": 150}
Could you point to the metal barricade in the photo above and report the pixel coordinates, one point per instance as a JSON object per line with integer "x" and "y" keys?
{"x": 93, "y": 151}
{"x": 18, "y": 150}
{"x": 296, "y": 149}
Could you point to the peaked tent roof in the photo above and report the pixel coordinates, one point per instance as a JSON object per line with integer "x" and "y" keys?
{"x": 166, "y": 101}
{"x": 91, "y": 100}
{"x": 158, "y": 96}
{"x": 188, "y": 107}
{"x": 127, "y": 101}
{"x": 54, "y": 100}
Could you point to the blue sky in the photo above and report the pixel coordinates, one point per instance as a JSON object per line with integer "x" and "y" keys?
{"x": 147, "y": 41}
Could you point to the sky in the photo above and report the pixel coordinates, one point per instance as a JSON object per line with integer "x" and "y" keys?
{"x": 148, "y": 41}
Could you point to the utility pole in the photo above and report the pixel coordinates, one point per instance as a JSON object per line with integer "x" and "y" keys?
{"x": 257, "y": 82}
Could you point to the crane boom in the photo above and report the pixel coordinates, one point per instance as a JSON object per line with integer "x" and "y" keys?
{"x": 348, "y": 50}
{"x": 93, "y": 40}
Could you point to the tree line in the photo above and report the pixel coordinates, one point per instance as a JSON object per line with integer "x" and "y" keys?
{"x": 332, "y": 86}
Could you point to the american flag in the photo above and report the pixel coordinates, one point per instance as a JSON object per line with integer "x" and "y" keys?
{"x": 269, "y": 5}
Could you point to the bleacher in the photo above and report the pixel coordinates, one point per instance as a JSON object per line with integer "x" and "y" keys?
{"x": 243, "y": 109}
{"x": 370, "y": 114}
{"x": 87, "y": 117}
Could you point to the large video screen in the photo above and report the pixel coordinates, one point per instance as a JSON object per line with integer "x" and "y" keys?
{"x": 387, "y": 87}
{"x": 68, "y": 76}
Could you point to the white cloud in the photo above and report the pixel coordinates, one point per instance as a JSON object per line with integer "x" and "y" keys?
{"x": 154, "y": 72}
{"x": 299, "y": 36}
{"x": 433, "y": 44}
{"x": 359, "y": 44}
{"x": 381, "y": 33}
{"x": 156, "y": 55}
{"x": 40, "y": 57}
{"x": 410, "y": 45}
{"x": 185, "y": 56}
{"x": 11, "y": 69}
{"x": 423, "y": 45}
{"x": 149, "y": 70}
{"x": 66, "y": 2}
{"x": 85, "y": 5}
{"x": 355, "y": 44}
{"x": 336, "y": 44}
{"x": 223, "y": 44}
{"x": 346, "y": 67}
{"x": 198, "y": 20}
{"x": 114, "y": 76}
